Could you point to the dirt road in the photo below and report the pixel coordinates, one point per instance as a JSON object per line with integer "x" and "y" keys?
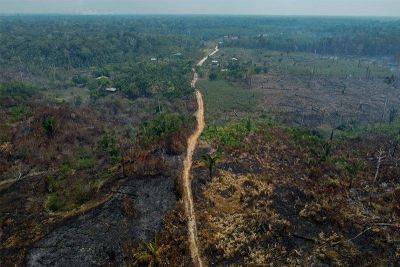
{"x": 187, "y": 165}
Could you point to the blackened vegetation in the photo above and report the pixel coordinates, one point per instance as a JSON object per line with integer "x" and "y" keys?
{"x": 307, "y": 205}
{"x": 135, "y": 214}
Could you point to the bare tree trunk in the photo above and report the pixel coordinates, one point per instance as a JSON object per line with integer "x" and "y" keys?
{"x": 378, "y": 165}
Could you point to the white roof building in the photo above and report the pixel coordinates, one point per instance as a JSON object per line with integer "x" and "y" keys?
{"x": 101, "y": 77}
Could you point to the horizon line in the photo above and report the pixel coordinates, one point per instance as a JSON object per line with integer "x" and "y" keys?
{"x": 191, "y": 14}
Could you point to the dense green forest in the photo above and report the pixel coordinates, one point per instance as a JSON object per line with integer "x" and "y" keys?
{"x": 70, "y": 41}
{"x": 342, "y": 36}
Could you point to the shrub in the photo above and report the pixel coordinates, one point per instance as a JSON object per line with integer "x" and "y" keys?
{"x": 49, "y": 126}
{"x": 54, "y": 203}
{"x": 52, "y": 184}
{"x": 393, "y": 114}
{"x": 17, "y": 91}
{"x": 82, "y": 193}
{"x": 80, "y": 80}
{"x": 85, "y": 163}
{"x": 108, "y": 146}
{"x": 258, "y": 69}
{"x": 230, "y": 135}
{"x": 352, "y": 168}
{"x": 213, "y": 76}
{"x": 161, "y": 127}
{"x": 66, "y": 170}
{"x": 78, "y": 100}
{"x": 17, "y": 113}
{"x": 131, "y": 91}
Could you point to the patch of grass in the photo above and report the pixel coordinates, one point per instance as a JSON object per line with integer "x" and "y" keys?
{"x": 391, "y": 129}
{"x": 61, "y": 199}
{"x": 85, "y": 163}
{"x": 109, "y": 147}
{"x": 82, "y": 193}
{"x": 223, "y": 99}
{"x": 319, "y": 147}
{"x": 54, "y": 203}
{"x": 17, "y": 91}
{"x": 85, "y": 159}
{"x": 351, "y": 168}
{"x": 304, "y": 135}
{"x": 231, "y": 135}
{"x": 66, "y": 170}
{"x": 299, "y": 63}
{"x": 17, "y": 113}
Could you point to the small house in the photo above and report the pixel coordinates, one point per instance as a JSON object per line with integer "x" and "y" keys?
{"x": 153, "y": 59}
{"x": 215, "y": 62}
{"x": 111, "y": 89}
{"x": 102, "y": 77}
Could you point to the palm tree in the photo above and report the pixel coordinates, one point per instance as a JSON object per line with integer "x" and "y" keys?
{"x": 149, "y": 254}
{"x": 211, "y": 161}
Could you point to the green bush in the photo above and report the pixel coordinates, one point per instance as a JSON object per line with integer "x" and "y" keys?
{"x": 53, "y": 184}
{"x": 66, "y": 170}
{"x": 108, "y": 146}
{"x": 54, "y": 203}
{"x": 49, "y": 126}
{"x": 17, "y": 113}
{"x": 82, "y": 193}
{"x": 162, "y": 126}
{"x": 230, "y": 135}
{"x": 85, "y": 163}
{"x": 79, "y": 80}
{"x": 319, "y": 148}
{"x": 17, "y": 91}
{"x": 352, "y": 168}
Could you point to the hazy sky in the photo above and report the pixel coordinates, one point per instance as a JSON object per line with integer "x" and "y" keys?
{"x": 261, "y": 7}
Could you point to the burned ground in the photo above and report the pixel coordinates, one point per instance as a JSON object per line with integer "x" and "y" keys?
{"x": 72, "y": 178}
{"x": 133, "y": 215}
{"x": 301, "y": 208}
{"x": 321, "y": 101}
{"x": 304, "y": 89}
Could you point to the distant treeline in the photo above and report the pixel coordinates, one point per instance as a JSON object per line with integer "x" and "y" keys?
{"x": 341, "y": 36}
{"x": 82, "y": 41}
{"x": 356, "y": 37}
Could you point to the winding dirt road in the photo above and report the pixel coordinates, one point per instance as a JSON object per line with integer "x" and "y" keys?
{"x": 187, "y": 165}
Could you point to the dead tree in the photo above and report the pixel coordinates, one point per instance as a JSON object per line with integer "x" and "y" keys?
{"x": 379, "y": 158}
{"x": 393, "y": 148}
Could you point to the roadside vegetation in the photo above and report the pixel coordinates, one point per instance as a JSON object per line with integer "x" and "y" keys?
{"x": 224, "y": 101}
